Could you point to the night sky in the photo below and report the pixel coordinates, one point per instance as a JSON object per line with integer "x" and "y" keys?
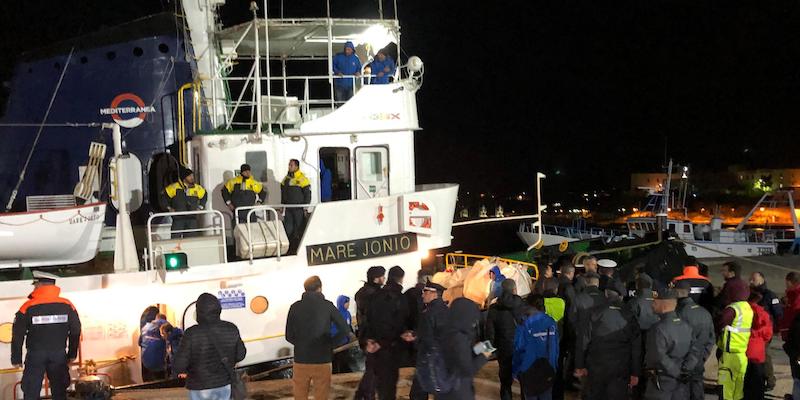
{"x": 584, "y": 91}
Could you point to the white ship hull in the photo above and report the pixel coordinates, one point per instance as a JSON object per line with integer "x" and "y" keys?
{"x": 51, "y": 237}
{"x": 110, "y": 304}
{"x": 530, "y": 238}
{"x": 702, "y": 249}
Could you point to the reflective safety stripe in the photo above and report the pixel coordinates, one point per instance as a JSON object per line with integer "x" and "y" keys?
{"x": 737, "y": 330}
{"x": 696, "y": 290}
{"x": 50, "y": 319}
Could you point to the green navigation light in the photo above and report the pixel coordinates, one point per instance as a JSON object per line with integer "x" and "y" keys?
{"x": 175, "y": 261}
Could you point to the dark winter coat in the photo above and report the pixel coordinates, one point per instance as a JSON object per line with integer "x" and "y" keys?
{"x": 502, "y": 321}
{"x": 458, "y": 354}
{"x": 387, "y": 315}
{"x": 308, "y": 328}
{"x": 197, "y": 354}
{"x": 362, "y": 304}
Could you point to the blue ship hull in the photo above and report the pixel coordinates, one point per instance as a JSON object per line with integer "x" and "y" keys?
{"x": 146, "y": 58}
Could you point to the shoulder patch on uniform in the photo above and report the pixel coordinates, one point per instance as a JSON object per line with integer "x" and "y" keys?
{"x": 776, "y": 301}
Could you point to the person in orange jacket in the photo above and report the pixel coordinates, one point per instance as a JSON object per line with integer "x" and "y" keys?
{"x": 760, "y": 336}
{"x": 701, "y": 291}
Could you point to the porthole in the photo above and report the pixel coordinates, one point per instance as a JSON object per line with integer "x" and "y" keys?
{"x": 5, "y": 332}
{"x": 84, "y": 60}
{"x": 137, "y": 51}
{"x": 163, "y": 48}
{"x": 57, "y": 65}
{"x": 111, "y": 55}
{"x": 259, "y": 305}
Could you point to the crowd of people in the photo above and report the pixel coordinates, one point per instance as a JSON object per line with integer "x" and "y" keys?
{"x": 579, "y": 330}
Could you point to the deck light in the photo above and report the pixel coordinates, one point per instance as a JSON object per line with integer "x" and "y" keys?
{"x": 175, "y": 261}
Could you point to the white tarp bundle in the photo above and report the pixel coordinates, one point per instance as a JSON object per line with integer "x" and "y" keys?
{"x": 473, "y": 283}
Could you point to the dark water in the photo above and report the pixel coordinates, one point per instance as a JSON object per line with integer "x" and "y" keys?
{"x": 489, "y": 239}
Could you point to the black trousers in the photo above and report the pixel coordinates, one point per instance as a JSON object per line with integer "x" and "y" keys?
{"x": 366, "y": 388}
{"x": 603, "y": 386}
{"x": 37, "y": 363}
{"x": 416, "y": 392}
{"x": 387, "y": 372}
{"x": 754, "y": 381}
{"x": 184, "y": 222}
{"x": 506, "y": 379}
{"x": 294, "y": 221}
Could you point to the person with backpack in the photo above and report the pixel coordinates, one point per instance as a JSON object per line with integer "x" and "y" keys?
{"x": 535, "y": 357}
{"x": 462, "y": 357}
{"x": 387, "y": 317}
{"x": 501, "y": 325}
{"x": 208, "y": 353}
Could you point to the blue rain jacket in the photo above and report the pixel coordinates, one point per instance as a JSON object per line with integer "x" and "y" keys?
{"x": 340, "y": 302}
{"x": 535, "y": 338}
{"x": 346, "y": 65}
{"x": 387, "y": 66}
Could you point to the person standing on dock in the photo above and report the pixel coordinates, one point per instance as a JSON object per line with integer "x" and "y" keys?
{"x": 208, "y": 352}
{"x": 772, "y": 304}
{"x": 375, "y": 280}
{"x": 667, "y": 353}
{"x": 701, "y": 291}
{"x": 243, "y": 191}
{"x": 346, "y": 65}
{"x": 387, "y": 318}
{"x": 589, "y": 265}
{"x": 184, "y": 195}
{"x": 50, "y": 327}
{"x": 501, "y": 325}
{"x": 308, "y": 328}
{"x": 295, "y": 189}
{"x": 699, "y": 319}
{"x": 608, "y": 279}
{"x": 733, "y": 335}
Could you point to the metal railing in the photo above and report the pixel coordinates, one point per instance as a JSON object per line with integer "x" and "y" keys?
{"x": 454, "y": 261}
{"x": 217, "y": 228}
{"x": 251, "y": 210}
{"x": 569, "y": 232}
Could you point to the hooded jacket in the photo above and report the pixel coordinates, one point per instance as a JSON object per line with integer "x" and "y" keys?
{"x": 737, "y": 290}
{"x": 197, "y": 354}
{"x": 496, "y": 288}
{"x": 760, "y": 334}
{"x": 731, "y": 292}
{"x": 362, "y": 297}
{"x": 501, "y": 323}
{"x": 387, "y": 66}
{"x": 770, "y": 303}
{"x": 791, "y": 311}
{"x": 458, "y": 354}
{"x": 346, "y": 65}
{"x": 44, "y": 323}
{"x": 348, "y": 319}
{"x": 308, "y": 328}
{"x": 154, "y": 347}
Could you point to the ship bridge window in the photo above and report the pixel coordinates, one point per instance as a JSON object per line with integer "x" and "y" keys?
{"x": 687, "y": 228}
{"x": 671, "y": 227}
{"x": 335, "y": 176}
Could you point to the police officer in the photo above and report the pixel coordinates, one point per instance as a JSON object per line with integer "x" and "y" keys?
{"x": 295, "y": 189}
{"x": 580, "y": 311}
{"x": 700, "y": 289}
{"x": 50, "y": 327}
{"x": 243, "y": 191}
{"x": 667, "y": 354}
{"x": 184, "y": 195}
{"x": 607, "y": 279}
{"x": 611, "y": 356}
{"x": 733, "y": 333}
{"x": 431, "y": 329}
{"x": 702, "y": 326}
{"x": 641, "y": 307}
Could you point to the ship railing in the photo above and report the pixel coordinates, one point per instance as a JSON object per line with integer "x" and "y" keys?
{"x": 569, "y": 232}
{"x": 455, "y": 261}
{"x": 215, "y": 230}
{"x": 303, "y": 99}
{"x": 265, "y": 211}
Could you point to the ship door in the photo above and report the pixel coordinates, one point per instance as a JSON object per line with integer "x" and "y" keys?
{"x": 372, "y": 172}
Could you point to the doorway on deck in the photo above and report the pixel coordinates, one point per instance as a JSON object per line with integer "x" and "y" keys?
{"x": 335, "y": 177}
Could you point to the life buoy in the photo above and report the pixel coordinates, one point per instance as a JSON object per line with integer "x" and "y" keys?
{"x": 563, "y": 246}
